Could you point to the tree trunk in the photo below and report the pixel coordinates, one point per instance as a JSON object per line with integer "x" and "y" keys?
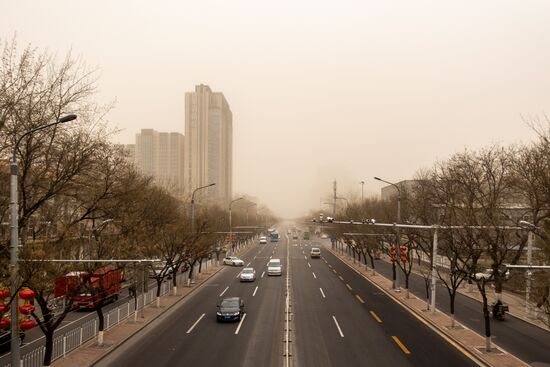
{"x": 371, "y": 257}
{"x": 101, "y": 324}
{"x": 175, "y": 281}
{"x": 393, "y": 274}
{"x": 486, "y": 316}
{"x": 49, "y": 346}
{"x": 452, "y": 299}
{"x": 191, "y": 268}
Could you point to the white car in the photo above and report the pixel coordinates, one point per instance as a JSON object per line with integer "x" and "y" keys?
{"x": 324, "y": 235}
{"x": 315, "y": 252}
{"x": 233, "y": 260}
{"x": 263, "y": 240}
{"x": 247, "y": 275}
{"x": 274, "y": 267}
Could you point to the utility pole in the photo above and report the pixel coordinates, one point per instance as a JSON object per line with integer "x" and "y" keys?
{"x": 334, "y": 198}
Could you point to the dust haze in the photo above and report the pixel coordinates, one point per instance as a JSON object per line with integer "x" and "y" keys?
{"x": 320, "y": 91}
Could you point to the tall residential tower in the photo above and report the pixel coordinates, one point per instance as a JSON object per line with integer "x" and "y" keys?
{"x": 209, "y": 143}
{"x": 161, "y": 155}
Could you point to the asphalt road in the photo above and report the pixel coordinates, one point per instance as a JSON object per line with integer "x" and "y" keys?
{"x": 524, "y": 340}
{"x": 336, "y": 322}
{"x": 190, "y": 335}
{"x": 343, "y": 320}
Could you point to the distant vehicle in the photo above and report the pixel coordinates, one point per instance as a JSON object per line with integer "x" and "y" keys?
{"x": 230, "y": 309}
{"x": 274, "y": 236}
{"x": 274, "y": 267}
{"x": 488, "y": 274}
{"x": 315, "y": 252}
{"x": 233, "y": 260}
{"x": 295, "y": 236}
{"x": 263, "y": 240}
{"x": 104, "y": 285}
{"x": 248, "y": 275}
{"x": 289, "y": 231}
{"x": 324, "y": 235}
{"x": 306, "y": 235}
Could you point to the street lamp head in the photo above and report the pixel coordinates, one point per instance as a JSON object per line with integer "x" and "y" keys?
{"x": 67, "y": 118}
{"x": 377, "y": 178}
{"x": 212, "y": 184}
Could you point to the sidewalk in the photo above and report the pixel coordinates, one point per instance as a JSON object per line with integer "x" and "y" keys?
{"x": 90, "y": 353}
{"x": 462, "y": 338}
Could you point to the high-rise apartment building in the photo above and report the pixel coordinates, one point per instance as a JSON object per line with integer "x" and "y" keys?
{"x": 161, "y": 155}
{"x": 209, "y": 143}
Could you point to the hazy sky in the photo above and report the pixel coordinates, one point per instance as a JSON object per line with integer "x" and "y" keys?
{"x": 320, "y": 90}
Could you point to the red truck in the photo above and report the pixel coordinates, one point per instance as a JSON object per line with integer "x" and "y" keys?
{"x": 104, "y": 284}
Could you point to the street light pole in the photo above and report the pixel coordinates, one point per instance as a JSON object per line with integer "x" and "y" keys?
{"x": 397, "y": 231}
{"x": 528, "y": 274}
{"x": 362, "y": 192}
{"x": 14, "y": 240}
{"x": 433, "y": 283}
{"x": 193, "y": 205}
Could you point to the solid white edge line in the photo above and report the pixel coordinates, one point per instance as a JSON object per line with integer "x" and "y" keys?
{"x": 255, "y": 290}
{"x": 338, "y": 326}
{"x": 314, "y": 275}
{"x": 323, "y": 293}
{"x": 195, "y": 324}
{"x": 240, "y": 323}
{"x": 225, "y": 290}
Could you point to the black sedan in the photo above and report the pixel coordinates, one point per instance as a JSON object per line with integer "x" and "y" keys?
{"x": 230, "y": 309}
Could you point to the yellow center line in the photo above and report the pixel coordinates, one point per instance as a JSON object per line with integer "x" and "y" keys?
{"x": 349, "y": 286}
{"x": 339, "y": 276}
{"x": 334, "y": 271}
{"x": 403, "y": 347}
{"x": 376, "y": 317}
{"x": 330, "y": 266}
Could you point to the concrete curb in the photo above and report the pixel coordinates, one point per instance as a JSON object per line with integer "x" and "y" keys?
{"x": 466, "y": 350}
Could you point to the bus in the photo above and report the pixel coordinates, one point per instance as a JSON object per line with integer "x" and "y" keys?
{"x": 274, "y": 236}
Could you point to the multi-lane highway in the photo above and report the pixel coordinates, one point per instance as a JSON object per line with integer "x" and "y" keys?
{"x": 337, "y": 319}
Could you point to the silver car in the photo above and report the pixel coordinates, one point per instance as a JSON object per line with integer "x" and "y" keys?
{"x": 247, "y": 275}
{"x": 274, "y": 267}
{"x": 315, "y": 252}
{"x": 233, "y": 260}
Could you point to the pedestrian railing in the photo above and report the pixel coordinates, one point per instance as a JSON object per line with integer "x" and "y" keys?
{"x": 32, "y": 354}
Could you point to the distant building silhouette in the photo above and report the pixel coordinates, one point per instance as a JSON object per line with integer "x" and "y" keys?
{"x": 161, "y": 156}
{"x": 209, "y": 143}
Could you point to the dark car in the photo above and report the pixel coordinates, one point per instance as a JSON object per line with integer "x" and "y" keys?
{"x": 230, "y": 309}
